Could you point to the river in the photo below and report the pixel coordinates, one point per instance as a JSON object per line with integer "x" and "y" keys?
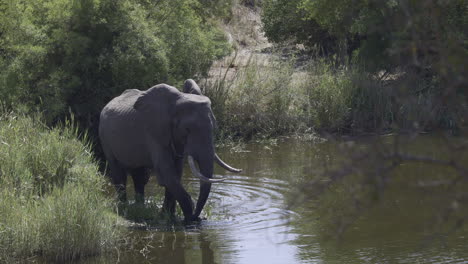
{"x": 266, "y": 215}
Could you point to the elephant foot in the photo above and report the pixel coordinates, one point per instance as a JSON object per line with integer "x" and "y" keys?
{"x": 122, "y": 197}
{"x": 139, "y": 198}
{"x": 193, "y": 219}
{"x": 169, "y": 207}
{"x": 168, "y": 213}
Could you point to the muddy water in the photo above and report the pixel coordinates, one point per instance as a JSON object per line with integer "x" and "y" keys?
{"x": 249, "y": 219}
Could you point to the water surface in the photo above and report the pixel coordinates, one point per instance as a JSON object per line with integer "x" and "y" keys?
{"x": 250, "y": 218}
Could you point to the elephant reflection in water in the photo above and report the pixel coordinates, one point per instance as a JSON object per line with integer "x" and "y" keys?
{"x": 171, "y": 247}
{"x": 177, "y": 247}
{"x": 156, "y": 130}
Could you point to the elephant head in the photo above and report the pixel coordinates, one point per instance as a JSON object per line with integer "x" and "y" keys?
{"x": 200, "y": 124}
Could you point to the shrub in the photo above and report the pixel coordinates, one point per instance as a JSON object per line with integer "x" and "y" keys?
{"x": 379, "y": 34}
{"x": 59, "y": 56}
{"x": 52, "y": 200}
{"x": 284, "y": 21}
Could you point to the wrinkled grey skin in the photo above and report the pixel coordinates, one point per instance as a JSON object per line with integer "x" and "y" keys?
{"x": 154, "y": 130}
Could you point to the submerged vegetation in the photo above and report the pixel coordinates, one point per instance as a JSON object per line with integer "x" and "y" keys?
{"x": 52, "y": 199}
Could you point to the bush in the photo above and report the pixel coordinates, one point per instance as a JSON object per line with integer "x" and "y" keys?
{"x": 284, "y": 22}
{"x": 59, "y": 56}
{"x": 52, "y": 200}
{"x": 379, "y": 34}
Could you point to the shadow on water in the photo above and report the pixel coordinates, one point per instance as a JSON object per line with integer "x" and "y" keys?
{"x": 249, "y": 219}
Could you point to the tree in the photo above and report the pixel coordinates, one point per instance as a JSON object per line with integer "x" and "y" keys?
{"x": 59, "y": 56}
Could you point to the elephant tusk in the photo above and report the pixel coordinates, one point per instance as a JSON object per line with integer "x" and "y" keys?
{"x": 199, "y": 175}
{"x": 224, "y": 165}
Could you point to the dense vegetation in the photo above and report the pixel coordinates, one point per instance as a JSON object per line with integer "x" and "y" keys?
{"x": 52, "y": 200}
{"x": 371, "y": 66}
{"x": 60, "y": 56}
{"x": 378, "y": 34}
{"x": 376, "y": 65}
{"x": 368, "y": 66}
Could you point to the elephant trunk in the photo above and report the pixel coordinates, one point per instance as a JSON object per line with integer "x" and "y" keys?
{"x": 206, "y": 169}
{"x": 205, "y": 189}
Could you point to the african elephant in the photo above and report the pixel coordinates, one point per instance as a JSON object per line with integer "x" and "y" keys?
{"x": 156, "y": 130}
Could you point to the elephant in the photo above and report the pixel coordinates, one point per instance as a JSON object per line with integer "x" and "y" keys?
{"x": 157, "y": 130}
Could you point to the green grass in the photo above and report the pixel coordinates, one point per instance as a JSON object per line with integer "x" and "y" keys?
{"x": 258, "y": 101}
{"x": 52, "y": 200}
{"x": 345, "y": 100}
{"x": 255, "y": 103}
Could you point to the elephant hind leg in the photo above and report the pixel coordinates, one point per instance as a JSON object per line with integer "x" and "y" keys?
{"x": 119, "y": 178}
{"x": 140, "y": 178}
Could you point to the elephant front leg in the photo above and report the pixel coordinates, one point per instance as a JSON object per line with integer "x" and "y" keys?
{"x": 178, "y": 193}
{"x": 170, "y": 172}
{"x": 169, "y": 200}
{"x": 169, "y": 203}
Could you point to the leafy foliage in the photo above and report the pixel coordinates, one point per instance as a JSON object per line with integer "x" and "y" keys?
{"x": 419, "y": 48}
{"x": 380, "y": 34}
{"x": 59, "y": 56}
{"x": 285, "y": 21}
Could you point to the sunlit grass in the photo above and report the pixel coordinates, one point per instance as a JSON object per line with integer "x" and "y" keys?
{"x": 266, "y": 100}
{"x": 52, "y": 202}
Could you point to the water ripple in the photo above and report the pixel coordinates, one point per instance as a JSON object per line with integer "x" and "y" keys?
{"x": 251, "y": 204}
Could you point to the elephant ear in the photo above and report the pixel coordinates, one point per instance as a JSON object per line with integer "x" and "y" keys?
{"x": 191, "y": 87}
{"x": 156, "y": 105}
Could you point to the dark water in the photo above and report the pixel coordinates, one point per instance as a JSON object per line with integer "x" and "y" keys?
{"x": 250, "y": 218}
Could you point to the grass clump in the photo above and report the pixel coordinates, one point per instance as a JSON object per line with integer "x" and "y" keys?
{"x": 51, "y": 194}
{"x": 255, "y": 102}
{"x": 323, "y": 97}
{"x": 344, "y": 100}
{"x": 260, "y": 101}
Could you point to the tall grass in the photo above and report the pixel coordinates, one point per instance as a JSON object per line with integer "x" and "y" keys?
{"x": 276, "y": 98}
{"x": 52, "y": 202}
{"x": 345, "y": 99}
{"x": 254, "y": 101}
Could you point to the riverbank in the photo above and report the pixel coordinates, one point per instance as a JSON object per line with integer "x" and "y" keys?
{"x": 52, "y": 199}
{"x": 281, "y": 99}
{"x": 265, "y": 90}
